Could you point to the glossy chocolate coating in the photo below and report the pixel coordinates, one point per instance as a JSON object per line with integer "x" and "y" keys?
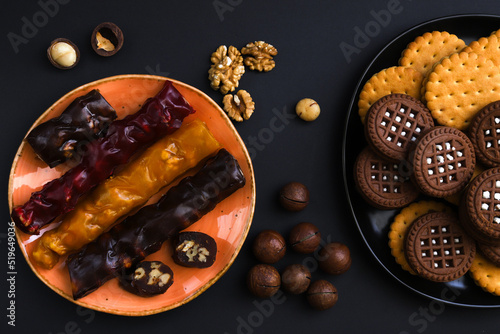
{"x": 159, "y": 116}
{"x": 65, "y": 137}
{"x": 149, "y": 278}
{"x": 194, "y": 250}
{"x": 143, "y": 233}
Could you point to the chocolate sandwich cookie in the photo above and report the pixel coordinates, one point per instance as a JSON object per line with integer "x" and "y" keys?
{"x": 394, "y": 123}
{"x": 492, "y": 253}
{"x": 438, "y": 249}
{"x": 443, "y": 162}
{"x": 480, "y": 207}
{"x": 484, "y": 133}
{"x": 381, "y": 182}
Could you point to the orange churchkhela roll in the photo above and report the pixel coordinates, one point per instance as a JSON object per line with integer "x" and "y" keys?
{"x": 132, "y": 187}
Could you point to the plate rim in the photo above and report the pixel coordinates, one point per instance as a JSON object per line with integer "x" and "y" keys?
{"x": 344, "y": 150}
{"x": 248, "y": 223}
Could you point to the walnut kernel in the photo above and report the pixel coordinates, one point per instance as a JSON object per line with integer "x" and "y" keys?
{"x": 226, "y": 70}
{"x": 259, "y": 56}
{"x": 239, "y": 106}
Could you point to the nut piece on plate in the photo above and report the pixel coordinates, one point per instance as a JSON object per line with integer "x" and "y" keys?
{"x": 107, "y": 39}
{"x": 239, "y": 106}
{"x": 150, "y": 278}
{"x": 226, "y": 70}
{"x": 63, "y": 53}
{"x": 260, "y": 56}
{"x": 194, "y": 249}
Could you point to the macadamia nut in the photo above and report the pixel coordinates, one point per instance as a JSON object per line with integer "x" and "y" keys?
{"x": 307, "y": 109}
{"x": 63, "y": 54}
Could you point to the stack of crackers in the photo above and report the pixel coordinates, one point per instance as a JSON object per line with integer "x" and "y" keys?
{"x": 455, "y": 82}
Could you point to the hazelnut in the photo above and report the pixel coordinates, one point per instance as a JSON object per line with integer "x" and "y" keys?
{"x": 294, "y": 196}
{"x": 263, "y": 280}
{"x": 295, "y": 279}
{"x": 269, "y": 246}
{"x": 322, "y": 295}
{"x": 307, "y": 109}
{"x": 304, "y": 238}
{"x": 334, "y": 258}
{"x": 107, "y": 39}
{"x": 63, "y": 53}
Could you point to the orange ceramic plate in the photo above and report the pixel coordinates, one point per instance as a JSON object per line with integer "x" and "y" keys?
{"x": 228, "y": 223}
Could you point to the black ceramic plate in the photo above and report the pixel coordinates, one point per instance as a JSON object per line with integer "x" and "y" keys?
{"x": 373, "y": 223}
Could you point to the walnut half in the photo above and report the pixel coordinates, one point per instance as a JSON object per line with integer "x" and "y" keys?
{"x": 226, "y": 70}
{"x": 259, "y": 56}
{"x": 239, "y": 106}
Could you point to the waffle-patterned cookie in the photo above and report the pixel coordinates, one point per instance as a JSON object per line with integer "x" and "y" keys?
{"x": 484, "y": 133}
{"x": 492, "y": 253}
{"x": 480, "y": 209}
{"x": 438, "y": 249}
{"x": 381, "y": 183}
{"x": 443, "y": 162}
{"x": 402, "y": 223}
{"x": 394, "y": 123}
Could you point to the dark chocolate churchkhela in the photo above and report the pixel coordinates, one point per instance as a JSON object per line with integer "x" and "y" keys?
{"x": 194, "y": 250}
{"x": 121, "y": 248}
{"x": 159, "y": 116}
{"x": 84, "y": 120}
{"x": 150, "y": 278}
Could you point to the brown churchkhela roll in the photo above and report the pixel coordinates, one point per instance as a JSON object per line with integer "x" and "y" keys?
{"x": 126, "y": 244}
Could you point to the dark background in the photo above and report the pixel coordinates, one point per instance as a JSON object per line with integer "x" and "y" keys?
{"x": 175, "y": 39}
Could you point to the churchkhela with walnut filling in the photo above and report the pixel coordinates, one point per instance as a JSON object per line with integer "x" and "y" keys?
{"x": 117, "y": 251}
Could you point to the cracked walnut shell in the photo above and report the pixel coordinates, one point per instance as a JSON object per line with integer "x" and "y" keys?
{"x": 226, "y": 70}
{"x": 259, "y": 56}
{"x": 239, "y": 106}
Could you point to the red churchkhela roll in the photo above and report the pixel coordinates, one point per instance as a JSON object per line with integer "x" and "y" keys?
{"x": 159, "y": 116}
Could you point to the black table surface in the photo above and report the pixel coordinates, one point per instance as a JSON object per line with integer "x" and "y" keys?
{"x": 175, "y": 39}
